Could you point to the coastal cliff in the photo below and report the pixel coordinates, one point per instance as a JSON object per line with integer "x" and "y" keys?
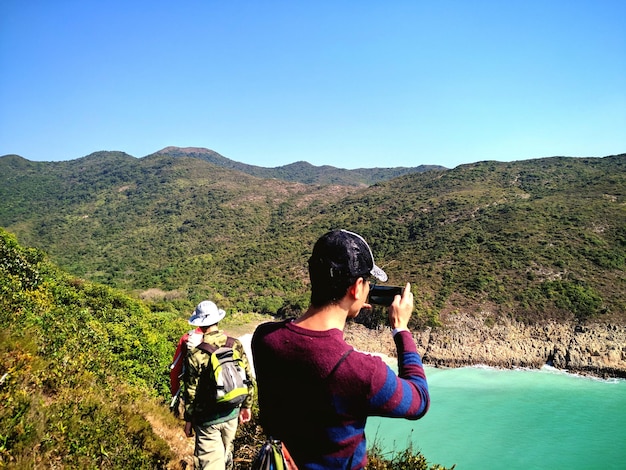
{"x": 597, "y": 349}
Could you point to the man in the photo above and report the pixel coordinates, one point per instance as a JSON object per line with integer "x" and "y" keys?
{"x": 315, "y": 391}
{"x": 214, "y": 427}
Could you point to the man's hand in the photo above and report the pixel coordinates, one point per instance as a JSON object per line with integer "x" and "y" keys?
{"x": 188, "y": 429}
{"x": 401, "y": 309}
{"x": 245, "y": 415}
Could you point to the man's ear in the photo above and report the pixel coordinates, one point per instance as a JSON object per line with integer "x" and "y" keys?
{"x": 356, "y": 289}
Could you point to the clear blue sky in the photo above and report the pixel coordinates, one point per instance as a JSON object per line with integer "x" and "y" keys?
{"x": 345, "y": 83}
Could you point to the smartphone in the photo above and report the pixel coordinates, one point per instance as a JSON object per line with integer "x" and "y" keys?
{"x": 384, "y": 295}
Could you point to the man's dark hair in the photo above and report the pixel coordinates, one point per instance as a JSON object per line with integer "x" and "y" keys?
{"x": 326, "y": 291}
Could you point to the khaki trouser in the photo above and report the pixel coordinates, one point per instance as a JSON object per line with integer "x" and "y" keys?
{"x": 214, "y": 445}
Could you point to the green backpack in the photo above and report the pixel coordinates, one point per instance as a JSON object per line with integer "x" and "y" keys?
{"x": 270, "y": 457}
{"x": 225, "y": 377}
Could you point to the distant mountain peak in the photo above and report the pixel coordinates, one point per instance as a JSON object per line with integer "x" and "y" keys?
{"x": 186, "y": 150}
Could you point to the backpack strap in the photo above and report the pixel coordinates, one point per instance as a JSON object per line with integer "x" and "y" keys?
{"x": 343, "y": 358}
{"x": 210, "y": 348}
{"x": 207, "y": 347}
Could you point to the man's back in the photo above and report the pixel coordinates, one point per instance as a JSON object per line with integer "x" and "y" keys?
{"x": 315, "y": 393}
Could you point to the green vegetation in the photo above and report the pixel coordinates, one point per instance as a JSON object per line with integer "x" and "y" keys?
{"x": 407, "y": 459}
{"x": 84, "y": 372}
{"x": 531, "y": 240}
{"x": 79, "y": 364}
{"x": 536, "y": 240}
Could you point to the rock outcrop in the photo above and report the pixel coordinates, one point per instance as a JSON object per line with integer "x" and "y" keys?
{"x": 597, "y": 349}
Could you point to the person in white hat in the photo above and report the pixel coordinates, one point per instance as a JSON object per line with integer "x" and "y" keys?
{"x": 214, "y": 428}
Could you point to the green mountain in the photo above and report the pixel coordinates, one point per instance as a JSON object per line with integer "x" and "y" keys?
{"x": 302, "y": 172}
{"x": 530, "y": 240}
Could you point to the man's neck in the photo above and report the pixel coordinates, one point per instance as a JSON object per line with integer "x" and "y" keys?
{"x": 334, "y": 315}
{"x": 323, "y": 318}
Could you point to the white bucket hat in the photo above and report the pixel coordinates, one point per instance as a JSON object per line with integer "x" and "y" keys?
{"x": 206, "y": 314}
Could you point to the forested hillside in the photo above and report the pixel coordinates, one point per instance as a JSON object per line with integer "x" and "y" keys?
{"x": 81, "y": 366}
{"x": 531, "y": 240}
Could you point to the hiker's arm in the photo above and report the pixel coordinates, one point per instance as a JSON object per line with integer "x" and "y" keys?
{"x": 188, "y": 429}
{"x": 245, "y": 412}
{"x": 410, "y": 366}
{"x": 411, "y": 370}
{"x": 251, "y": 381}
{"x": 404, "y": 395}
{"x": 191, "y": 384}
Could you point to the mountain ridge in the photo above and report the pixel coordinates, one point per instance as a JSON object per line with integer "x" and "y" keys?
{"x": 299, "y": 171}
{"x": 543, "y": 235}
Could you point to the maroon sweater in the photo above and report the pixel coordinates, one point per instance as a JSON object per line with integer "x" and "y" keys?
{"x": 315, "y": 392}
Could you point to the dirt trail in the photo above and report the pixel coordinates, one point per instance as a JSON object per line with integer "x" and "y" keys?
{"x": 181, "y": 446}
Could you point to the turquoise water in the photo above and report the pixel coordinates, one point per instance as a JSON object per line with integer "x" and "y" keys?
{"x": 483, "y": 418}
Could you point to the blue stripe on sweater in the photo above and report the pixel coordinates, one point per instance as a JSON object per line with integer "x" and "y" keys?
{"x": 407, "y": 400}
{"x": 389, "y": 388}
{"x": 382, "y": 396}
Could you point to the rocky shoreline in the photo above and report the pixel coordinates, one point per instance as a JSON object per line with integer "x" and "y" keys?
{"x": 597, "y": 349}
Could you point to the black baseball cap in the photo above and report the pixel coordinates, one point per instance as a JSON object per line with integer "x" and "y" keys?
{"x": 341, "y": 254}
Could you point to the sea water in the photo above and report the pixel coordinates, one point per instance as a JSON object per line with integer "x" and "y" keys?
{"x": 485, "y": 418}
